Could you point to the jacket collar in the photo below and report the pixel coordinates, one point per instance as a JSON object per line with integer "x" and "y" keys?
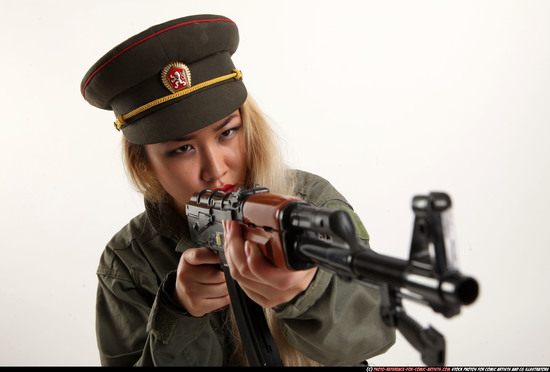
{"x": 165, "y": 220}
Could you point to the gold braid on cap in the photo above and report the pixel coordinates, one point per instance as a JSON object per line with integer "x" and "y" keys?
{"x": 121, "y": 119}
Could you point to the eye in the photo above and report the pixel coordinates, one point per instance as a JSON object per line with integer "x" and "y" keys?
{"x": 229, "y": 133}
{"x": 181, "y": 150}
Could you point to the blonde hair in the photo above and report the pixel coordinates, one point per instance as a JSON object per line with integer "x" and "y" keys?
{"x": 290, "y": 356}
{"x": 265, "y": 167}
{"x": 265, "y": 163}
{"x": 141, "y": 175}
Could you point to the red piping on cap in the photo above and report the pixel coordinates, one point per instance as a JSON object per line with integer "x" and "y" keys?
{"x": 144, "y": 39}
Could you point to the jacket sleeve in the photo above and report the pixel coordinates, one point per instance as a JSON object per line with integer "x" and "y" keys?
{"x": 138, "y": 325}
{"x": 337, "y": 322}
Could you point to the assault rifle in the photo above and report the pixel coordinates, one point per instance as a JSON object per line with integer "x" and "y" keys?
{"x": 296, "y": 235}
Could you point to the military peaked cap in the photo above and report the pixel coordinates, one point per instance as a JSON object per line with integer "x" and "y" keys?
{"x": 169, "y": 80}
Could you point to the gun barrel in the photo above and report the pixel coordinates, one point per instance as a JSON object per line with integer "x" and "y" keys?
{"x": 464, "y": 288}
{"x": 444, "y": 293}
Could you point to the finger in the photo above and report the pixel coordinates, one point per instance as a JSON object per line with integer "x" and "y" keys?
{"x": 262, "y": 269}
{"x": 210, "y": 291}
{"x": 234, "y": 248}
{"x": 207, "y": 275}
{"x": 201, "y": 289}
{"x": 198, "y": 272}
{"x": 265, "y": 295}
{"x": 198, "y": 306}
{"x": 200, "y": 256}
{"x": 259, "y": 297}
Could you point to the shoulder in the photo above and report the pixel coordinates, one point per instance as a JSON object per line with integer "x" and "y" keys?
{"x": 316, "y": 190}
{"x": 319, "y": 192}
{"x": 139, "y": 228}
{"x": 126, "y": 250}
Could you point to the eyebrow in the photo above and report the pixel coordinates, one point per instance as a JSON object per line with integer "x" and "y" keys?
{"x": 191, "y": 135}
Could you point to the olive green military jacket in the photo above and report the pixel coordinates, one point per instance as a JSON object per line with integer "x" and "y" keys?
{"x": 333, "y": 322}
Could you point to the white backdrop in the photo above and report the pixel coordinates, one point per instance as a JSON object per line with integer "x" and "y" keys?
{"x": 386, "y": 99}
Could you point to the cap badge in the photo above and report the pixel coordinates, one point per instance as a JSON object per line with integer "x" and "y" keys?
{"x": 176, "y": 76}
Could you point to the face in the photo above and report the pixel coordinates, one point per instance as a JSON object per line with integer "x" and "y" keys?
{"x": 211, "y": 157}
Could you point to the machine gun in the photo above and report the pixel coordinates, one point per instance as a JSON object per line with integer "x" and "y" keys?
{"x": 296, "y": 235}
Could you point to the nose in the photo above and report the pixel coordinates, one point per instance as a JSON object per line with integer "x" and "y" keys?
{"x": 213, "y": 166}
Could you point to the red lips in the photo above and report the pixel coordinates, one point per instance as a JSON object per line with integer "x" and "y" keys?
{"x": 225, "y": 188}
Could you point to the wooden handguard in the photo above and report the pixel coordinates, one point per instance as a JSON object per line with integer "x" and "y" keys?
{"x": 261, "y": 224}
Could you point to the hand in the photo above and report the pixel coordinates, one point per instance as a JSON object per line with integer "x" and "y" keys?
{"x": 200, "y": 285}
{"x": 265, "y": 283}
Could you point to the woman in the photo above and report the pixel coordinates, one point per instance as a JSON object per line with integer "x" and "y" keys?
{"x": 188, "y": 125}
